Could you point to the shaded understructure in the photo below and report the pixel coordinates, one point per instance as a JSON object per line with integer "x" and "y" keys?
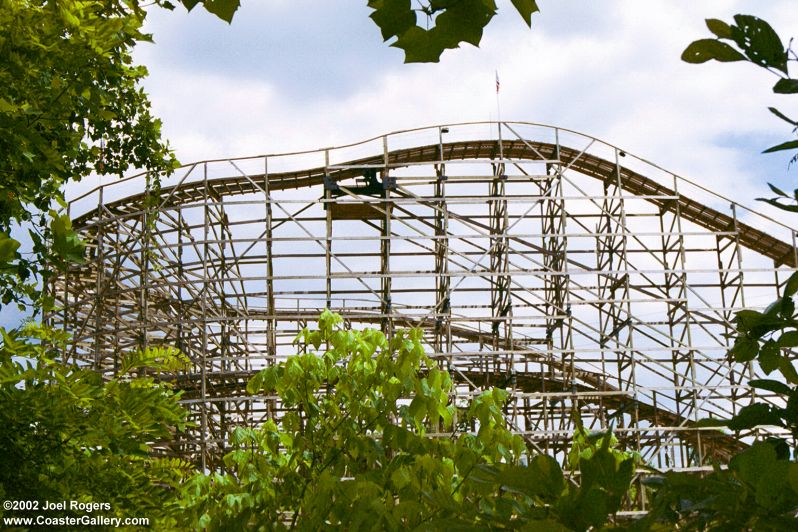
{"x": 534, "y": 258}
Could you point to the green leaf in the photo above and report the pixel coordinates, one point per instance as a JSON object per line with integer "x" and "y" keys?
{"x": 224, "y": 9}
{"x": 771, "y": 386}
{"x": 786, "y": 86}
{"x": 588, "y": 508}
{"x": 548, "y": 475}
{"x": 776, "y": 189}
{"x": 525, "y": 8}
{"x": 782, "y": 206}
{"x": 67, "y": 245}
{"x": 787, "y": 311}
{"x": 755, "y": 324}
{"x": 457, "y": 22}
{"x": 760, "y": 467}
{"x": 789, "y": 145}
{"x": 744, "y": 349}
{"x": 711, "y": 422}
{"x": 463, "y": 21}
{"x": 760, "y": 42}
{"x": 393, "y": 17}
{"x": 748, "y": 319}
{"x": 753, "y": 415}
{"x": 255, "y": 383}
{"x": 719, "y": 28}
{"x": 190, "y": 4}
{"x": 778, "y": 308}
{"x": 788, "y": 339}
{"x": 401, "y": 478}
{"x": 420, "y": 46}
{"x": 782, "y": 116}
{"x": 792, "y": 476}
{"x": 788, "y": 371}
{"x": 417, "y": 409}
{"x": 703, "y": 50}
{"x": 791, "y": 287}
{"x": 7, "y": 107}
{"x": 8, "y": 249}
{"x": 769, "y": 357}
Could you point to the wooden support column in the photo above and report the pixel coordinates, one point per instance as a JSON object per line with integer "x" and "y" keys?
{"x": 730, "y": 283}
{"x": 615, "y": 315}
{"x": 329, "y": 230}
{"x": 99, "y": 289}
{"x": 385, "y": 246}
{"x": 144, "y": 270}
{"x": 674, "y": 289}
{"x": 559, "y": 322}
{"x": 204, "y": 323}
{"x": 501, "y": 300}
{"x": 181, "y": 315}
{"x": 271, "y": 320}
{"x": 443, "y": 306}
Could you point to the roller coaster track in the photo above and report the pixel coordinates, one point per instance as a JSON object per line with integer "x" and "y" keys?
{"x": 521, "y": 150}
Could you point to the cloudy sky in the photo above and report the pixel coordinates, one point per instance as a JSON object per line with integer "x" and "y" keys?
{"x": 299, "y": 74}
{"x": 289, "y": 75}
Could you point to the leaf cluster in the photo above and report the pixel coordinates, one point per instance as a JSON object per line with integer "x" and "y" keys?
{"x": 758, "y": 491}
{"x": 373, "y": 437}
{"x": 70, "y": 434}
{"x": 753, "y": 40}
{"x": 769, "y": 337}
{"x": 445, "y": 24}
{"x": 70, "y": 104}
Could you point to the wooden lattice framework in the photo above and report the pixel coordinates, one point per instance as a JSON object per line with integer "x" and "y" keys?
{"x": 534, "y": 258}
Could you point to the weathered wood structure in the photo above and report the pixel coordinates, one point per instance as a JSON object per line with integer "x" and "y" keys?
{"x": 534, "y": 258}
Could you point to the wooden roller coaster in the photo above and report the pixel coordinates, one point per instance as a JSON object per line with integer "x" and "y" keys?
{"x": 533, "y": 258}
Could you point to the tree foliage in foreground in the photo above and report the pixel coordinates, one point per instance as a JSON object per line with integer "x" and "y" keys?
{"x": 768, "y": 337}
{"x": 374, "y": 439}
{"x": 71, "y": 103}
{"x": 68, "y": 434}
{"x": 753, "y": 40}
{"x": 759, "y": 490}
{"x": 422, "y": 29}
{"x": 445, "y": 24}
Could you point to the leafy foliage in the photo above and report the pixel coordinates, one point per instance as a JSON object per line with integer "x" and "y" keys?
{"x": 584, "y": 445}
{"x": 445, "y": 24}
{"x": 224, "y": 9}
{"x": 68, "y": 434}
{"x": 754, "y": 40}
{"x": 71, "y": 103}
{"x": 769, "y": 337}
{"x": 372, "y": 437}
{"x": 759, "y": 491}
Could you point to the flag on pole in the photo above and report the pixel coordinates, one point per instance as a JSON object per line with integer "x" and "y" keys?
{"x": 497, "y": 82}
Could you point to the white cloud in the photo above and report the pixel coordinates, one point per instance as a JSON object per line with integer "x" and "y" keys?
{"x": 611, "y": 71}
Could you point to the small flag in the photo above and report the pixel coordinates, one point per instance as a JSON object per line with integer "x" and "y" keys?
{"x": 497, "y": 82}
